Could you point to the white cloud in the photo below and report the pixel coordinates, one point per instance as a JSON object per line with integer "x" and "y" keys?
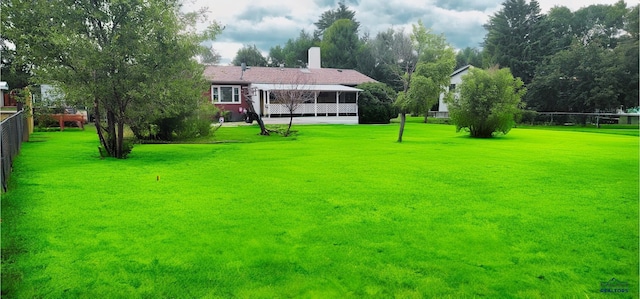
{"x": 268, "y": 23}
{"x": 227, "y": 50}
{"x": 573, "y": 5}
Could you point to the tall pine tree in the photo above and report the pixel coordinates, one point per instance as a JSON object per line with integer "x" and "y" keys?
{"x": 331, "y": 16}
{"x": 513, "y": 37}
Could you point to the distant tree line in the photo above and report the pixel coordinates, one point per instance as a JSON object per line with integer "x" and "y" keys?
{"x": 582, "y": 61}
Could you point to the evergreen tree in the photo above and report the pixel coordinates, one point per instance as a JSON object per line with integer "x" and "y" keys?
{"x": 512, "y": 38}
{"x": 331, "y": 16}
{"x": 340, "y": 45}
{"x": 250, "y": 55}
{"x": 294, "y": 53}
{"x": 392, "y": 52}
{"x": 469, "y": 56}
{"x": 591, "y": 60}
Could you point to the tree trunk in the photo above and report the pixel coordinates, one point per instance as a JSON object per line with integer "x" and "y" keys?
{"x": 263, "y": 129}
{"x": 98, "y": 122}
{"x": 403, "y": 118}
{"x": 111, "y": 134}
{"x": 290, "y": 122}
{"x": 252, "y": 113}
{"x": 426, "y": 115}
{"x": 120, "y": 140}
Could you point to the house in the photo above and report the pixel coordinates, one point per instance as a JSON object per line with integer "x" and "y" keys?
{"x": 4, "y": 92}
{"x": 456, "y": 79}
{"x": 333, "y": 89}
{"x": 44, "y": 94}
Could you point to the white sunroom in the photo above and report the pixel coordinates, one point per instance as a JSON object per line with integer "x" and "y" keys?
{"x": 327, "y": 100}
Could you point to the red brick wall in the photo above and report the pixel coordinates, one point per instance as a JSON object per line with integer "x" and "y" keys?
{"x": 232, "y": 108}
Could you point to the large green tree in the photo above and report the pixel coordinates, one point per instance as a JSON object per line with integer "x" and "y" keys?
{"x": 127, "y": 59}
{"x": 469, "y": 56}
{"x": 597, "y": 70}
{"x": 276, "y": 56}
{"x": 487, "y": 103}
{"x": 583, "y": 78}
{"x": 365, "y": 62}
{"x": 294, "y": 53}
{"x": 429, "y": 78}
{"x": 557, "y": 31}
{"x": 209, "y": 56}
{"x": 340, "y": 45}
{"x": 513, "y": 37}
{"x": 600, "y": 23}
{"x": 627, "y": 58}
{"x": 249, "y": 55}
{"x": 394, "y": 56}
{"x": 331, "y": 16}
{"x": 14, "y": 71}
{"x": 375, "y": 104}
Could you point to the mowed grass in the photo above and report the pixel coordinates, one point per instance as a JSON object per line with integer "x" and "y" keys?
{"x": 336, "y": 212}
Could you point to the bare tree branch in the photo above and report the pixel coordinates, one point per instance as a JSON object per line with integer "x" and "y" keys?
{"x": 293, "y": 94}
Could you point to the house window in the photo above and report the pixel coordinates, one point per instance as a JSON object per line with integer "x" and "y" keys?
{"x": 225, "y": 94}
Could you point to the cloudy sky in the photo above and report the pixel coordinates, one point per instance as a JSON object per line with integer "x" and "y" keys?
{"x": 267, "y": 23}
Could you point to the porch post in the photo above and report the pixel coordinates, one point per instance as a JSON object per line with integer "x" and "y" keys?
{"x": 337, "y": 103}
{"x": 269, "y": 102}
{"x": 315, "y": 103}
{"x": 357, "y": 94}
{"x": 263, "y": 99}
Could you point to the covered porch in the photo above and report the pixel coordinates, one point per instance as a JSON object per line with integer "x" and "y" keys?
{"x": 328, "y": 100}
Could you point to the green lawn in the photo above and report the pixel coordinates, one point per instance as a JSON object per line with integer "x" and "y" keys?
{"x": 631, "y": 130}
{"x": 336, "y": 212}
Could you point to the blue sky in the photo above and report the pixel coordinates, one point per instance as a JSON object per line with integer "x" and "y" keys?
{"x": 267, "y": 23}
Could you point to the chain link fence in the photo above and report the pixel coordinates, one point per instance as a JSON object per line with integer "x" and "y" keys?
{"x": 12, "y": 134}
{"x": 574, "y": 118}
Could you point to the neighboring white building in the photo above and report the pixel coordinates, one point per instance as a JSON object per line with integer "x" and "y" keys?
{"x": 456, "y": 79}
{"x": 50, "y": 95}
{"x": 47, "y": 95}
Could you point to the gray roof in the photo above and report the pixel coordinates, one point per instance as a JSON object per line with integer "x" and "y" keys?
{"x": 275, "y": 75}
{"x": 462, "y": 69}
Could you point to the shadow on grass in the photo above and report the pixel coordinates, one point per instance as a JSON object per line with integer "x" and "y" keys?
{"x": 495, "y": 138}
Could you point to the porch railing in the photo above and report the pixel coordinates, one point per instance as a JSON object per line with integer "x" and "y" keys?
{"x": 321, "y": 109}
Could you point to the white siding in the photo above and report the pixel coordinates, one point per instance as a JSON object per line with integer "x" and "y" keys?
{"x": 455, "y": 79}
{"x": 314, "y": 58}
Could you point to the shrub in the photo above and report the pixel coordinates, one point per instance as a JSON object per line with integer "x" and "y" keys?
{"x": 487, "y": 103}
{"x": 193, "y": 127}
{"x": 526, "y": 117}
{"x": 42, "y": 117}
{"x": 165, "y": 127}
{"x": 198, "y": 123}
{"x": 186, "y": 125}
{"x": 375, "y": 104}
{"x": 127, "y": 147}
